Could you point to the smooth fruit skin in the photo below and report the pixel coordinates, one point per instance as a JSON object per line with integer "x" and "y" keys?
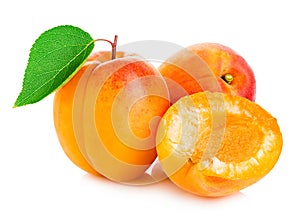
{"x": 213, "y": 60}
{"x": 106, "y": 116}
{"x": 246, "y": 143}
{"x": 63, "y": 110}
{"x": 62, "y": 114}
{"x": 123, "y": 101}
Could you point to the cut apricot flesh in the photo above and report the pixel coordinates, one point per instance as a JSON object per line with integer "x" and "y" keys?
{"x": 215, "y": 144}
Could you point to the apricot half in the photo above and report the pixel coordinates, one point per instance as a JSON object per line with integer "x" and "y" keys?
{"x": 215, "y": 144}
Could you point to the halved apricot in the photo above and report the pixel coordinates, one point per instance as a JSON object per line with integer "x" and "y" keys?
{"x": 215, "y": 144}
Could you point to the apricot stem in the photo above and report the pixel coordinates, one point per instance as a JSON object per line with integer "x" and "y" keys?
{"x": 228, "y": 78}
{"x": 113, "y": 46}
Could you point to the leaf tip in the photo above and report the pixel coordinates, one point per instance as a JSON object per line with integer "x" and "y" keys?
{"x": 17, "y": 103}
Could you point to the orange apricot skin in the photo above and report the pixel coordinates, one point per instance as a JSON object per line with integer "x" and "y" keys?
{"x": 139, "y": 115}
{"x": 129, "y": 162}
{"x": 190, "y": 179}
{"x": 220, "y": 60}
{"x": 121, "y": 104}
{"x": 63, "y": 112}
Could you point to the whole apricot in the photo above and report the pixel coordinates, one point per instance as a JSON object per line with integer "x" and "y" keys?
{"x": 208, "y": 67}
{"x": 113, "y": 113}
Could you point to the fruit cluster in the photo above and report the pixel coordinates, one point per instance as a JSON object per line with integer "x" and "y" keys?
{"x": 193, "y": 118}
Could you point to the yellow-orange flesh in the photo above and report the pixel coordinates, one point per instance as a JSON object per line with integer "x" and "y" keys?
{"x": 214, "y": 144}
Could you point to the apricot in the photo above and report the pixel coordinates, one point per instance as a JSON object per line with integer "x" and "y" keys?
{"x": 113, "y": 110}
{"x": 208, "y": 67}
{"x": 215, "y": 144}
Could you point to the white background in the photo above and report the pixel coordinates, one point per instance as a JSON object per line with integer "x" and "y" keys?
{"x": 38, "y": 184}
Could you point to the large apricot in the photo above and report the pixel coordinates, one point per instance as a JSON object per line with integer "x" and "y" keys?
{"x": 114, "y": 110}
{"x": 214, "y": 144}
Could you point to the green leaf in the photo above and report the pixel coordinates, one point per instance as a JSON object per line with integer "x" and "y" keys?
{"x": 54, "y": 58}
